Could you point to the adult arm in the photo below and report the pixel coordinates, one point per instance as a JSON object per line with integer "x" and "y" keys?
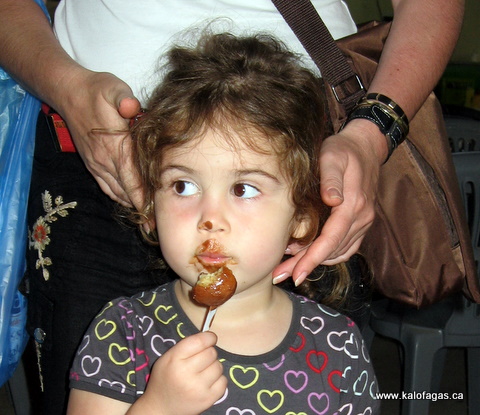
{"x": 86, "y": 100}
{"x": 421, "y": 41}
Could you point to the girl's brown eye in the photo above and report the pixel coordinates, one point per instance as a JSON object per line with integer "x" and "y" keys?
{"x": 239, "y": 190}
{"x": 185, "y": 188}
{"x": 179, "y": 187}
{"x": 245, "y": 191}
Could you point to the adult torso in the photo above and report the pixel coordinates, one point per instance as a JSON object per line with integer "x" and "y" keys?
{"x": 127, "y": 37}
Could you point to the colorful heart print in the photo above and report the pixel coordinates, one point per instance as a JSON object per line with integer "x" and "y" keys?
{"x": 91, "y": 365}
{"x": 104, "y": 329}
{"x": 164, "y": 314}
{"x": 314, "y": 324}
{"x": 319, "y": 402}
{"x": 270, "y": 401}
{"x": 244, "y": 377}
{"x": 119, "y": 355}
{"x": 296, "y": 381}
{"x": 317, "y": 360}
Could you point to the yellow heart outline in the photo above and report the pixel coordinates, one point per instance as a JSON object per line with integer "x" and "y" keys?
{"x": 179, "y": 332}
{"x": 154, "y": 295}
{"x": 132, "y": 372}
{"x": 165, "y": 309}
{"x": 107, "y": 306}
{"x": 270, "y": 393}
{"x": 120, "y": 349}
{"x": 105, "y": 322}
{"x": 244, "y": 370}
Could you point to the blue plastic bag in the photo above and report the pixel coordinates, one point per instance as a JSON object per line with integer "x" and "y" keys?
{"x": 18, "y": 116}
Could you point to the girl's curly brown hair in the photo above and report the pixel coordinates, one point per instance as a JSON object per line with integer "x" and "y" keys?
{"x": 242, "y": 84}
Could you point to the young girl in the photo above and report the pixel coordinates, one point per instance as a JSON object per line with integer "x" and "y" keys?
{"x": 228, "y": 158}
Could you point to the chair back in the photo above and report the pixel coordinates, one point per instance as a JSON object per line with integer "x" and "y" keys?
{"x": 464, "y": 136}
{"x": 463, "y": 133}
{"x": 467, "y": 166}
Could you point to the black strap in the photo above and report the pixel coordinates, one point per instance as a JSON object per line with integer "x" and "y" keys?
{"x": 303, "y": 19}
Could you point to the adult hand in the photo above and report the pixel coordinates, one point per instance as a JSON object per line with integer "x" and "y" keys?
{"x": 96, "y": 107}
{"x": 349, "y": 169}
{"x": 187, "y": 379}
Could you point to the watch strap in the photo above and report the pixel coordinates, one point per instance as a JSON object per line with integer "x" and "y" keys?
{"x": 386, "y": 115}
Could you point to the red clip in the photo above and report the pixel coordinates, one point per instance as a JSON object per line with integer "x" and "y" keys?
{"x": 63, "y": 134}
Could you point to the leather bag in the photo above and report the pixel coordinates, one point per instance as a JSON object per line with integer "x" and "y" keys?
{"x": 418, "y": 248}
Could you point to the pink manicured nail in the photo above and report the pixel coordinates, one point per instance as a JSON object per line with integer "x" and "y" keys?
{"x": 300, "y": 279}
{"x": 280, "y": 278}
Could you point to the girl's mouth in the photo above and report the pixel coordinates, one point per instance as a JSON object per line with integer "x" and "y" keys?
{"x": 212, "y": 255}
{"x": 211, "y": 258}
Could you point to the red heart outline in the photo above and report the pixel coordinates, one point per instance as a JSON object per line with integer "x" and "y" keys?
{"x": 302, "y": 345}
{"x": 317, "y": 353}
{"x": 330, "y": 382}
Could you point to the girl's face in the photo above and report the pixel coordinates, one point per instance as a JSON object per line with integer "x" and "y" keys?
{"x": 218, "y": 205}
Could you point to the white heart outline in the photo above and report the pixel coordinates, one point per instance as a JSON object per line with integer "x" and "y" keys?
{"x": 157, "y": 336}
{"x": 84, "y": 346}
{"x": 350, "y": 409}
{"x": 312, "y": 320}
{"x": 239, "y": 411}
{"x": 115, "y": 382}
{"x": 360, "y": 378}
{"x": 92, "y": 359}
{"x": 141, "y": 325}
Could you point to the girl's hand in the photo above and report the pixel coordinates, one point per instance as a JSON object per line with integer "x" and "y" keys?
{"x": 188, "y": 379}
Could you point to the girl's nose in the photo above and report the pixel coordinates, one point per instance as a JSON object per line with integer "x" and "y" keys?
{"x": 207, "y": 226}
{"x": 212, "y": 215}
{"x": 213, "y": 225}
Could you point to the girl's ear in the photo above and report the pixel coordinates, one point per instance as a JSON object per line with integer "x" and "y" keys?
{"x": 149, "y": 215}
{"x": 150, "y": 225}
{"x": 302, "y": 228}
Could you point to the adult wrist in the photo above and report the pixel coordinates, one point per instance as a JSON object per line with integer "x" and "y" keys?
{"x": 369, "y": 137}
{"x": 386, "y": 115}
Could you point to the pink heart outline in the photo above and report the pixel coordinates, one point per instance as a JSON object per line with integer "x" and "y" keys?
{"x": 279, "y": 365}
{"x": 130, "y": 327}
{"x": 135, "y": 357}
{"x": 319, "y": 397}
{"x": 296, "y": 375}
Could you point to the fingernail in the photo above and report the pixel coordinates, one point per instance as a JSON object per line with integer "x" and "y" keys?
{"x": 280, "y": 278}
{"x": 300, "y": 279}
{"x": 334, "y": 193}
{"x": 288, "y": 251}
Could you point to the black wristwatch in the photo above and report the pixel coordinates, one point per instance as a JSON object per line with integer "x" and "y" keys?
{"x": 386, "y": 115}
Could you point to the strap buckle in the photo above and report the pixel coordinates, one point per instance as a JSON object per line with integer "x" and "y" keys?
{"x": 346, "y": 87}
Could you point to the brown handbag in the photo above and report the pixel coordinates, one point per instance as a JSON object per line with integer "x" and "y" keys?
{"x": 418, "y": 248}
